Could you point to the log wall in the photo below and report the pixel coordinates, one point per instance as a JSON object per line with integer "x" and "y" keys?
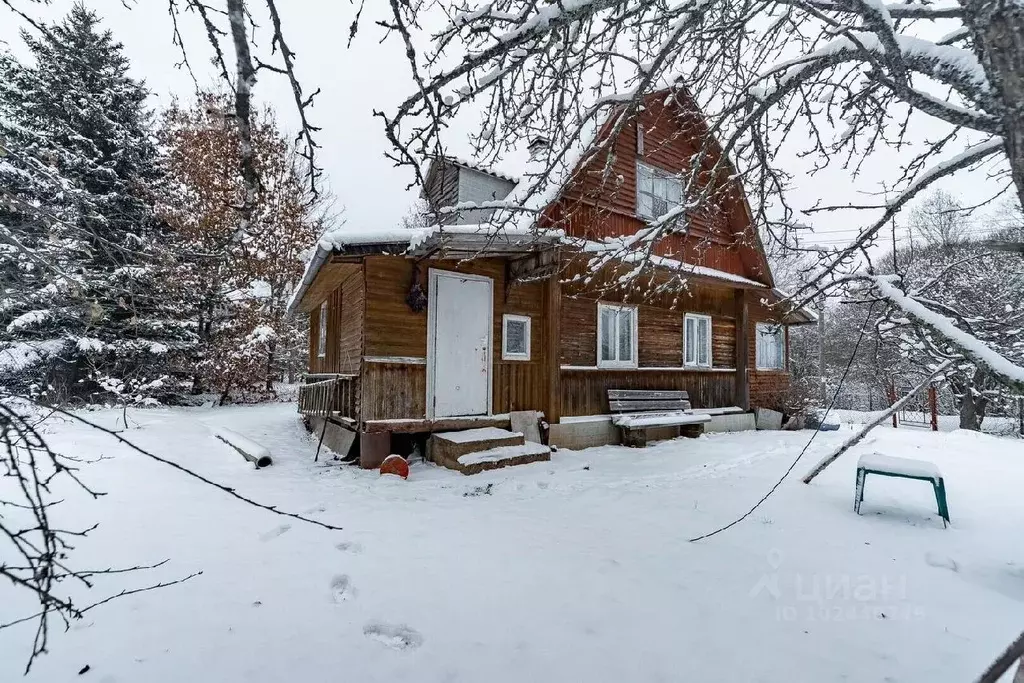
{"x": 394, "y": 331}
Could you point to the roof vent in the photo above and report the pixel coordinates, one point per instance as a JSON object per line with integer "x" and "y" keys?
{"x": 538, "y": 146}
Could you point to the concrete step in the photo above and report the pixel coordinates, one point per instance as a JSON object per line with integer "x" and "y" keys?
{"x": 450, "y": 446}
{"x": 502, "y": 456}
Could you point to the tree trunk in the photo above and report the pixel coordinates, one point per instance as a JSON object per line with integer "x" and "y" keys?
{"x": 997, "y": 27}
{"x": 972, "y": 405}
{"x": 271, "y": 349}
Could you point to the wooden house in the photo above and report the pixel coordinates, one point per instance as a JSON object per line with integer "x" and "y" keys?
{"x": 461, "y": 325}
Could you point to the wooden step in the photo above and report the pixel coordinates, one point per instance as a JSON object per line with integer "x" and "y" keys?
{"x": 445, "y": 447}
{"x": 502, "y": 456}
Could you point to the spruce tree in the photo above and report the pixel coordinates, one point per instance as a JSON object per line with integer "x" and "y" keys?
{"x": 87, "y": 117}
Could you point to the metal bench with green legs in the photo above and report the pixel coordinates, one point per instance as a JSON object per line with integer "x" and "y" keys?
{"x": 903, "y": 468}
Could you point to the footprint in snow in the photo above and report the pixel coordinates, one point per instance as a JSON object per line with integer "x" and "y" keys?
{"x": 314, "y": 510}
{"x": 274, "y": 533}
{"x": 395, "y": 636}
{"x": 941, "y": 561}
{"x": 341, "y": 588}
{"x": 349, "y": 547}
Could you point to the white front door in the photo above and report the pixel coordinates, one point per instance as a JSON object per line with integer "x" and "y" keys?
{"x": 459, "y": 353}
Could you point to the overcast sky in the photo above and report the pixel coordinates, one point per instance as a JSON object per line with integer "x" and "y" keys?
{"x": 354, "y": 82}
{"x": 373, "y": 76}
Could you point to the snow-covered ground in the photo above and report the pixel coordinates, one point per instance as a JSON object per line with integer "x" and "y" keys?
{"x": 992, "y": 424}
{"x": 573, "y": 570}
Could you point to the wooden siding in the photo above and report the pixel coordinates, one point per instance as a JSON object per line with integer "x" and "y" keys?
{"x": 442, "y": 187}
{"x": 723, "y": 342}
{"x": 585, "y": 392}
{"x": 342, "y": 290}
{"x": 602, "y": 202}
{"x": 659, "y": 325}
{"x": 660, "y": 345}
{"x": 394, "y": 330}
{"x": 373, "y": 332}
{"x": 768, "y": 388}
{"x": 392, "y": 391}
{"x": 330, "y": 277}
{"x": 350, "y": 327}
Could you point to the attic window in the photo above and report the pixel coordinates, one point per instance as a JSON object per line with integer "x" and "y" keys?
{"x": 657, "y": 191}
{"x": 515, "y": 337}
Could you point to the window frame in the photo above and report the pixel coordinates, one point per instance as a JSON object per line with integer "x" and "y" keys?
{"x": 782, "y": 357}
{"x": 707, "y": 344}
{"x": 655, "y": 172}
{"x": 321, "y": 331}
{"x": 633, "y": 362}
{"x": 513, "y": 355}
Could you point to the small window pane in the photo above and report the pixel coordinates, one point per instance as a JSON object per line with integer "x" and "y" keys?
{"x": 697, "y": 341}
{"x": 690, "y": 342}
{"x": 515, "y": 336}
{"x": 657, "y": 191}
{"x": 704, "y": 340}
{"x": 607, "y": 334}
{"x": 644, "y": 179}
{"x": 322, "y": 336}
{"x": 626, "y": 334}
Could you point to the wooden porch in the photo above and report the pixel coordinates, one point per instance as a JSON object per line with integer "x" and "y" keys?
{"x": 330, "y": 395}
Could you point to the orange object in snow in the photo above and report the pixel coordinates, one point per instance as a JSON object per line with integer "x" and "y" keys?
{"x": 395, "y": 464}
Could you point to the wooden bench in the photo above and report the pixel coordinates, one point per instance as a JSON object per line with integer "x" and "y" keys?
{"x": 634, "y": 411}
{"x": 902, "y": 468}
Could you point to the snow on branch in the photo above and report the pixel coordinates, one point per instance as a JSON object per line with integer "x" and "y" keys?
{"x": 972, "y": 348}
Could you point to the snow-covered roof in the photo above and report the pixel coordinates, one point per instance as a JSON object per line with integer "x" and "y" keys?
{"x": 411, "y": 240}
{"x": 616, "y": 249}
{"x": 489, "y": 170}
{"x": 476, "y": 238}
{"x": 489, "y": 237}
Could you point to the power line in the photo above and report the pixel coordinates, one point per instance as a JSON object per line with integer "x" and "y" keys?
{"x": 835, "y": 397}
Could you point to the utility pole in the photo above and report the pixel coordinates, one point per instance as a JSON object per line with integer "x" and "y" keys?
{"x": 820, "y": 306}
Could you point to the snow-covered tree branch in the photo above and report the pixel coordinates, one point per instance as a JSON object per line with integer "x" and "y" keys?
{"x": 834, "y": 82}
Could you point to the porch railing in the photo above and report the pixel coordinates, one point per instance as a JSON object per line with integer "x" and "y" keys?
{"x": 333, "y": 396}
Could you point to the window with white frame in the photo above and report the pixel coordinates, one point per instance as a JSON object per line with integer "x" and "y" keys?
{"x": 771, "y": 346}
{"x": 697, "y": 340}
{"x": 616, "y": 336}
{"x": 657, "y": 191}
{"x": 321, "y": 342}
{"x": 515, "y": 337}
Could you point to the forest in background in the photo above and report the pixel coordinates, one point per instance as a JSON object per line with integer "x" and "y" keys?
{"x": 125, "y": 274}
{"x": 948, "y": 255}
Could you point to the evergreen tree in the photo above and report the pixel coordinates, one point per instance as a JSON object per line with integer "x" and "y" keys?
{"x": 76, "y": 107}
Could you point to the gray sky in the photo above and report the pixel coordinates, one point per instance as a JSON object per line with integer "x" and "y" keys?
{"x": 354, "y": 82}
{"x": 371, "y": 76}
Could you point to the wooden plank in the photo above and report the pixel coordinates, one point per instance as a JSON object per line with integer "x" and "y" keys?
{"x": 585, "y": 392}
{"x": 349, "y": 333}
{"x": 637, "y": 406}
{"x": 553, "y": 312}
{"x": 742, "y": 385}
{"x": 645, "y": 394}
{"x": 327, "y": 280}
{"x": 443, "y": 424}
